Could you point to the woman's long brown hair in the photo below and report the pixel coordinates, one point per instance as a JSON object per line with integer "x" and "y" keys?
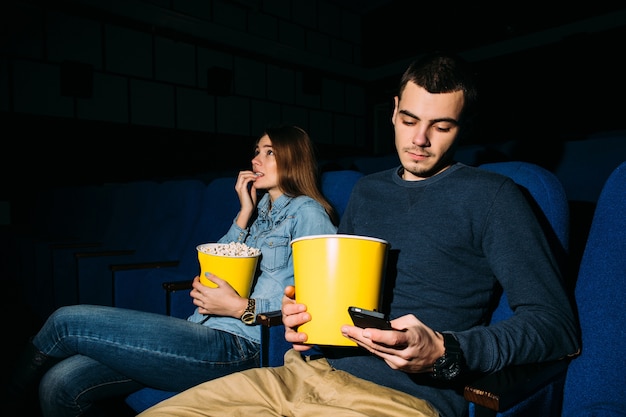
{"x": 297, "y": 165}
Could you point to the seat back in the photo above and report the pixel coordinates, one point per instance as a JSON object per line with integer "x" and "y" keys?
{"x": 337, "y": 185}
{"x": 547, "y": 195}
{"x": 132, "y": 201}
{"x": 371, "y": 164}
{"x": 171, "y": 217}
{"x": 141, "y": 289}
{"x": 167, "y": 221}
{"x": 221, "y": 205}
{"x": 82, "y": 217}
{"x": 123, "y": 222}
{"x": 594, "y": 385}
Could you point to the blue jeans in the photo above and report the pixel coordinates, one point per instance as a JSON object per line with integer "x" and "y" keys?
{"x": 112, "y": 352}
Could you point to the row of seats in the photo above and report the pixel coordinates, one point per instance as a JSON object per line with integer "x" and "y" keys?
{"x": 107, "y": 244}
{"x": 118, "y": 244}
{"x": 147, "y": 280}
{"x": 544, "y": 397}
{"x": 552, "y": 389}
{"x": 66, "y": 260}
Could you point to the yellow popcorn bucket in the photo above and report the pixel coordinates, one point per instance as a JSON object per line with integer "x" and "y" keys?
{"x": 237, "y": 270}
{"x": 332, "y": 273}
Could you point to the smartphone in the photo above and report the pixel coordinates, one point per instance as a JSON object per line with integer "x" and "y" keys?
{"x": 369, "y": 319}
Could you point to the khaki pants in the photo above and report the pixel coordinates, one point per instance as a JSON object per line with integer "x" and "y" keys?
{"x": 301, "y": 388}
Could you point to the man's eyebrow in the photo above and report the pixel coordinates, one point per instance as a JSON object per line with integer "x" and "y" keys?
{"x": 408, "y": 113}
{"x": 443, "y": 119}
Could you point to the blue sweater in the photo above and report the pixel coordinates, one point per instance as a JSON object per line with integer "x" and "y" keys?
{"x": 453, "y": 238}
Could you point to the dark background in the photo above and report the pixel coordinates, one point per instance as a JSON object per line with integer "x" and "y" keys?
{"x": 548, "y": 75}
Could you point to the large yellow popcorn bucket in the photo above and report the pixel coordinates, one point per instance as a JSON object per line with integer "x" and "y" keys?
{"x": 332, "y": 273}
{"x": 234, "y": 263}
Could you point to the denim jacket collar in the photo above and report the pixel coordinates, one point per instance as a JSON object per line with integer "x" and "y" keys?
{"x": 273, "y": 211}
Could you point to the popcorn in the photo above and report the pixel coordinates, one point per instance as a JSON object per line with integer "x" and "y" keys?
{"x": 230, "y": 249}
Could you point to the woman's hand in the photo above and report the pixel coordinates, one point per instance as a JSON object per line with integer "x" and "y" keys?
{"x": 220, "y": 301}
{"x": 413, "y": 349}
{"x": 294, "y": 315}
{"x": 247, "y": 196}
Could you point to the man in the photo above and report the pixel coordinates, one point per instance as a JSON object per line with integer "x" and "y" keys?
{"x": 456, "y": 233}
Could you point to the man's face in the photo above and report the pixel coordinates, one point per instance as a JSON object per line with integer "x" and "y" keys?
{"x": 426, "y": 126}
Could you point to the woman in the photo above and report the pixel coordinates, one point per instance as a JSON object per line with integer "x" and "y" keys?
{"x": 86, "y": 353}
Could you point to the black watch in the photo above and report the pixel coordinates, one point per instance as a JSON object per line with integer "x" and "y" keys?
{"x": 451, "y": 364}
{"x": 249, "y": 316}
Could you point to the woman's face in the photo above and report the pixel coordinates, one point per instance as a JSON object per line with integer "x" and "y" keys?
{"x": 264, "y": 165}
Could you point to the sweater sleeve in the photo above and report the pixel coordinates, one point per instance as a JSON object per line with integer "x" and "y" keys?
{"x": 543, "y": 326}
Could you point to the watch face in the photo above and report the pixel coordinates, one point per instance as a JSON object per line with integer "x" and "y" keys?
{"x": 451, "y": 369}
{"x": 248, "y": 318}
{"x": 446, "y": 367}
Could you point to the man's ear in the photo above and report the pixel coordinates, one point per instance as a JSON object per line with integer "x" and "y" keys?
{"x": 396, "y": 100}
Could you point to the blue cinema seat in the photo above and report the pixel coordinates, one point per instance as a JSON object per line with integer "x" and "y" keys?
{"x": 596, "y": 380}
{"x": 164, "y": 227}
{"x": 139, "y": 286}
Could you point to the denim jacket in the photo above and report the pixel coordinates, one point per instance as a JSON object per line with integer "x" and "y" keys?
{"x": 272, "y": 231}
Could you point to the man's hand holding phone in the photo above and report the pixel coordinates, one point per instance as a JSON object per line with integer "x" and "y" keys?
{"x": 411, "y": 346}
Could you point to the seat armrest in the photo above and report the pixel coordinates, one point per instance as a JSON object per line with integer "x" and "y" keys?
{"x": 144, "y": 265}
{"x": 501, "y": 390}
{"x": 273, "y": 343}
{"x": 113, "y": 252}
{"x": 172, "y": 286}
{"x": 174, "y": 304}
{"x": 270, "y": 318}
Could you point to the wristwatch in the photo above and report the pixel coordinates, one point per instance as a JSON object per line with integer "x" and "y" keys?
{"x": 451, "y": 364}
{"x": 249, "y": 316}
